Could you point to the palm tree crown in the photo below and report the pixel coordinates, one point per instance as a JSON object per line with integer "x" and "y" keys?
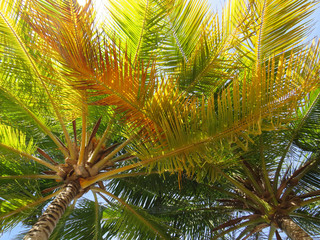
{"x": 164, "y": 85}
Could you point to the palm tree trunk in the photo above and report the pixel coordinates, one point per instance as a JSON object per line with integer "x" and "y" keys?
{"x": 292, "y": 230}
{"x": 47, "y": 222}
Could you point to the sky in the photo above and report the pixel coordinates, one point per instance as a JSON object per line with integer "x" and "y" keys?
{"x": 216, "y": 5}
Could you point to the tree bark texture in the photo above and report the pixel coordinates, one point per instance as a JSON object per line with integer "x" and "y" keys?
{"x": 292, "y": 230}
{"x": 42, "y": 229}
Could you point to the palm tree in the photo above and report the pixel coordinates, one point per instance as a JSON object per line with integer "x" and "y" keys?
{"x": 176, "y": 91}
{"x": 268, "y": 197}
{"x": 186, "y": 207}
{"x": 275, "y": 186}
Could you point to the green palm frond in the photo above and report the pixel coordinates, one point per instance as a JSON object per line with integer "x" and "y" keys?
{"x": 281, "y": 26}
{"x": 27, "y": 119}
{"x": 31, "y": 68}
{"x": 168, "y": 86}
{"x": 35, "y": 77}
{"x": 40, "y": 121}
{"x": 311, "y": 178}
{"x": 81, "y": 222}
{"x": 168, "y": 30}
{"x": 22, "y": 201}
{"x": 15, "y": 139}
{"x": 142, "y": 32}
{"x": 177, "y": 201}
{"x": 124, "y": 227}
{"x": 185, "y": 22}
{"x": 17, "y": 193}
{"x": 145, "y": 190}
{"x": 147, "y": 226}
{"x": 308, "y": 217}
{"x": 308, "y": 137}
{"x": 13, "y": 142}
{"x": 217, "y": 56}
{"x": 302, "y": 147}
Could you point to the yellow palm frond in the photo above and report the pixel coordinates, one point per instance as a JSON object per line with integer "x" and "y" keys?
{"x": 216, "y": 59}
{"x": 87, "y": 62}
{"x": 22, "y": 74}
{"x": 280, "y": 26}
{"x": 203, "y": 131}
{"x": 142, "y": 30}
{"x": 69, "y": 34}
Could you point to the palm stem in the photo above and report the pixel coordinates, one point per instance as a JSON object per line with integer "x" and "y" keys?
{"x": 299, "y": 173}
{"x": 39, "y": 176}
{"x": 258, "y": 228}
{"x": 48, "y": 220}
{"x": 266, "y": 177}
{"x": 83, "y": 136}
{"x": 309, "y": 201}
{"x": 310, "y": 194}
{"x": 251, "y": 195}
{"x": 124, "y": 157}
{"x": 231, "y": 222}
{"x": 252, "y": 178}
{"x": 307, "y": 216}
{"x": 103, "y": 176}
{"x": 124, "y": 175}
{"x": 99, "y": 165}
{"x": 38, "y": 160}
{"x": 96, "y": 212}
{"x": 28, "y": 206}
{"x": 234, "y": 196}
{"x": 253, "y": 221}
{"x": 101, "y": 141}
{"x": 40, "y": 124}
{"x": 271, "y": 232}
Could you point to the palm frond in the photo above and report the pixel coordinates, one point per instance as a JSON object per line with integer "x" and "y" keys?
{"x": 150, "y": 228}
{"x": 281, "y": 26}
{"x": 307, "y": 138}
{"x": 142, "y": 32}
{"x": 183, "y": 30}
{"x": 14, "y": 142}
{"x": 24, "y": 206}
{"x": 80, "y": 222}
{"x": 177, "y": 201}
{"x": 16, "y": 139}
{"x": 263, "y": 103}
{"x": 68, "y": 34}
{"x": 17, "y": 35}
{"x": 308, "y": 217}
{"x": 88, "y": 62}
{"x": 217, "y": 57}
{"x": 23, "y": 109}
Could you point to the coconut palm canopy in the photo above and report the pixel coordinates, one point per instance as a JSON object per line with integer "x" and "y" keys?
{"x": 164, "y": 85}
{"x": 273, "y": 191}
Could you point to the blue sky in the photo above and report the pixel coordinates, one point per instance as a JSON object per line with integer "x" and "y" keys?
{"x": 216, "y": 5}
